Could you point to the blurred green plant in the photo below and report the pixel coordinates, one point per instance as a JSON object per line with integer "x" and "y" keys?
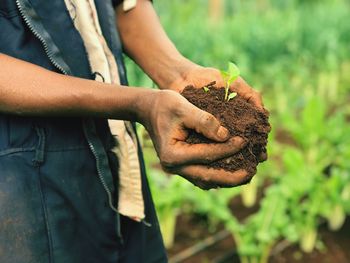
{"x": 297, "y": 53}
{"x": 166, "y": 188}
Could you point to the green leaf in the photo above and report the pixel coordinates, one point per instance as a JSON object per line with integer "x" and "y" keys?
{"x": 233, "y": 71}
{"x": 224, "y": 74}
{"x": 232, "y": 79}
{"x": 206, "y": 89}
{"x": 231, "y": 96}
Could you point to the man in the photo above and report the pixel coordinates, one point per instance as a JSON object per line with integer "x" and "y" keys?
{"x": 72, "y": 182}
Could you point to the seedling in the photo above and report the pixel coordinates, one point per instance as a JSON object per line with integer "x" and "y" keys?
{"x": 231, "y": 95}
{"x": 229, "y": 77}
{"x": 207, "y": 87}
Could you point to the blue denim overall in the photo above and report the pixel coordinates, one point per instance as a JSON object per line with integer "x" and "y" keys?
{"x": 57, "y": 177}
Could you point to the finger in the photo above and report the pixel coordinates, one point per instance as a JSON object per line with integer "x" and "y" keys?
{"x": 255, "y": 98}
{"x": 263, "y": 157}
{"x": 208, "y": 75}
{"x": 206, "y": 124}
{"x": 244, "y": 90}
{"x": 207, "y": 178}
{"x": 201, "y": 153}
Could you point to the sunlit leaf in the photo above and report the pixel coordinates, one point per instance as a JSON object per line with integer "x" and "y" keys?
{"x": 232, "y": 95}
{"x": 224, "y": 74}
{"x": 233, "y": 71}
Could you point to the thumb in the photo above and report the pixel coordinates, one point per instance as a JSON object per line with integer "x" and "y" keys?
{"x": 206, "y": 124}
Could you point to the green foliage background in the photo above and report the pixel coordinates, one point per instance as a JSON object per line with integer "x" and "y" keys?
{"x": 297, "y": 53}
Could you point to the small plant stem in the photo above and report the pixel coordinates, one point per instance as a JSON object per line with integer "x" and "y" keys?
{"x": 237, "y": 238}
{"x": 244, "y": 259}
{"x": 226, "y": 91}
{"x": 266, "y": 254}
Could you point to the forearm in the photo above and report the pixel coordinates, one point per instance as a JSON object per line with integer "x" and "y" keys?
{"x": 147, "y": 44}
{"x": 26, "y": 89}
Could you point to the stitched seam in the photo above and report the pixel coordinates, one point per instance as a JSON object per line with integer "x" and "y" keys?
{"x": 40, "y": 148}
{"x": 31, "y": 149}
{"x": 67, "y": 149}
{"x": 16, "y": 150}
{"x": 9, "y": 14}
{"x": 46, "y": 219}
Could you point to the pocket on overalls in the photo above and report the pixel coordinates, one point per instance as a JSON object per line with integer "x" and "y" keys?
{"x": 17, "y": 134}
{"x": 22, "y": 134}
{"x": 4, "y": 132}
{"x": 8, "y": 8}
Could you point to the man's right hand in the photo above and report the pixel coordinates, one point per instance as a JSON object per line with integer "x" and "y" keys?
{"x": 168, "y": 117}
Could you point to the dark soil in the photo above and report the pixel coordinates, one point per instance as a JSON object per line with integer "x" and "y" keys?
{"x": 240, "y": 118}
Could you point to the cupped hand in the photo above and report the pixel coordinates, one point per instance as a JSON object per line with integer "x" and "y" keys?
{"x": 199, "y": 76}
{"x": 168, "y": 117}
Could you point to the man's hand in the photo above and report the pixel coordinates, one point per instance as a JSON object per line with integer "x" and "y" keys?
{"x": 149, "y": 46}
{"x": 198, "y": 76}
{"x": 168, "y": 118}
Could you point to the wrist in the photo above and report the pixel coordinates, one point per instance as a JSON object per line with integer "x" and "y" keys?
{"x": 175, "y": 72}
{"x": 143, "y": 105}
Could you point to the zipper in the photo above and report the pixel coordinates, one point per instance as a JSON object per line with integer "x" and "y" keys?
{"x": 104, "y": 184}
{"x": 41, "y": 39}
{"x": 91, "y": 146}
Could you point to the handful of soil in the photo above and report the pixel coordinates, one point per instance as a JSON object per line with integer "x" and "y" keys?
{"x": 240, "y": 118}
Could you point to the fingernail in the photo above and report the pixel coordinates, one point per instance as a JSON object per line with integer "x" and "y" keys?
{"x": 239, "y": 140}
{"x": 223, "y": 132}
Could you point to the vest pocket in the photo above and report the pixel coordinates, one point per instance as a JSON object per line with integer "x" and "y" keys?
{"x": 8, "y": 8}
{"x": 22, "y": 133}
{"x": 4, "y": 132}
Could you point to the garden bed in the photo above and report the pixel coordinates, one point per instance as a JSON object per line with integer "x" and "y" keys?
{"x": 192, "y": 229}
